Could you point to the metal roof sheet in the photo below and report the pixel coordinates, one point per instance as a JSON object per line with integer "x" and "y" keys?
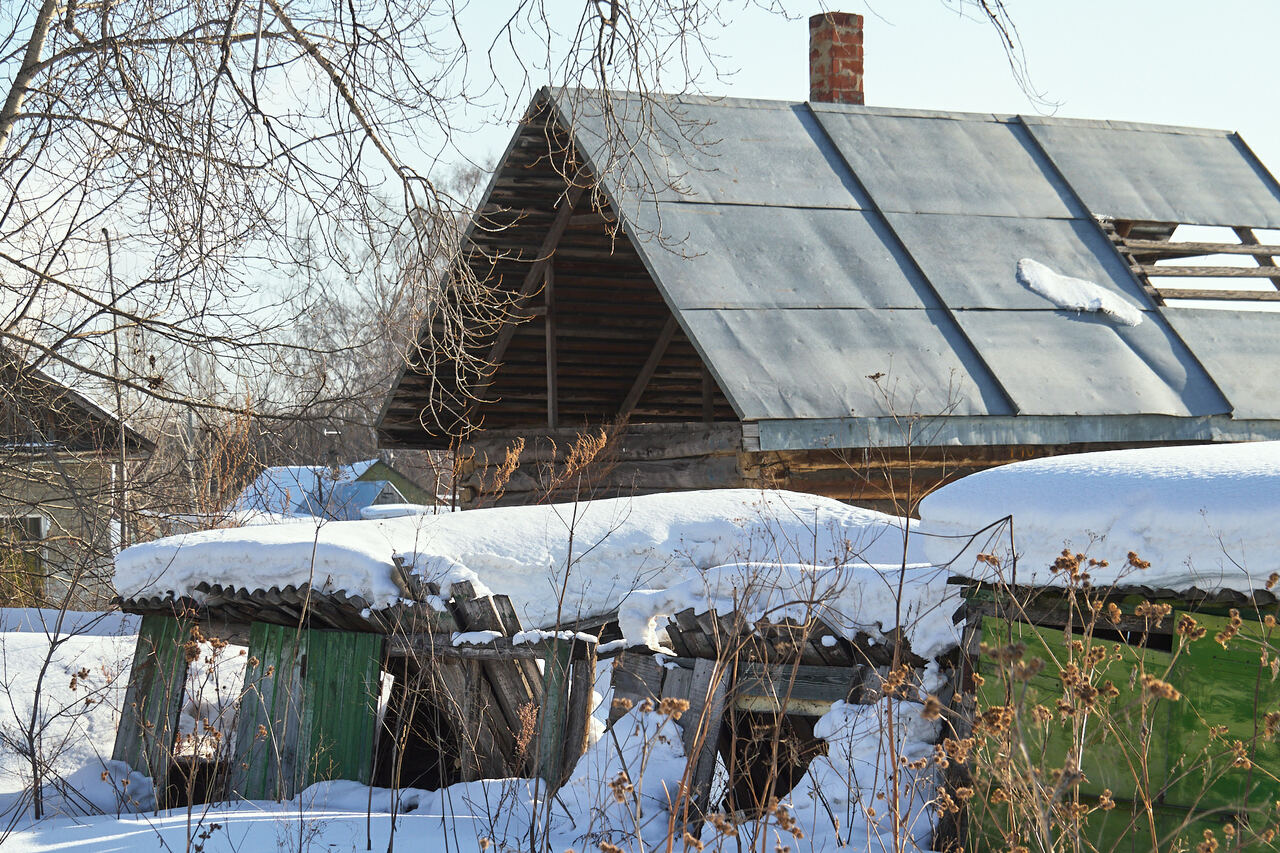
{"x": 971, "y": 260}
{"x": 787, "y": 363}
{"x": 734, "y": 256}
{"x": 1240, "y": 350}
{"x": 1161, "y": 174}
{"x": 972, "y": 165}
{"x": 770, "y": 153}
{"x": 1068, "y": 363}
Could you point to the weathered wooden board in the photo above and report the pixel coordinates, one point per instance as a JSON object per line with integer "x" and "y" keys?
{"x": 153, "y": 699}
{"x": 309, "y": 710}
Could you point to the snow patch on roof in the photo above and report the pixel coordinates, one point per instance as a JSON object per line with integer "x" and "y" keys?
{"x": 1077, "y": 294}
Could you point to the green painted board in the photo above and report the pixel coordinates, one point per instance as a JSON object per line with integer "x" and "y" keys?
{"x": 1220, "y": 687}
{"x": 1225, "y": 687}
{"x": 153, "y": 699}
{"x": 308, "y": 712}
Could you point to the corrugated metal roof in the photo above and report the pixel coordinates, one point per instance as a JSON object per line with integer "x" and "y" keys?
{"x": 810, "y": 246}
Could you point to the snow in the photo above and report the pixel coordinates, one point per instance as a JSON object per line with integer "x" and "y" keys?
{"x": 279, "y": 490}
{"x": 848, "y": 599}
{"x": 396, "y": 510}
{"x": 1077, "y": 294}
{"x": 557, "y": 562}
{"x": 1203, "y": 516}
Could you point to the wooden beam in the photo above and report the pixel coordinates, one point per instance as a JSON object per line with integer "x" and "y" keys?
{"x": 1209, "y": 272}
{"x": 533, "y": 278}
{"x": 650, "y": 365}
{"x": 1164, "y": 247}
{"x": 1248, "y": 238}
{"x": 549, "y": 295}
{"x": 708, "y": 396}
{"x": 1223, "y": 295}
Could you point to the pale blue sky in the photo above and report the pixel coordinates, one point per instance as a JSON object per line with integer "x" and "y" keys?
{"x": 1207, "y": 64}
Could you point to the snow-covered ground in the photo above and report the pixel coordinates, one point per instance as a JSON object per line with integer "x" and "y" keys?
{"x": 1202, "y": 516}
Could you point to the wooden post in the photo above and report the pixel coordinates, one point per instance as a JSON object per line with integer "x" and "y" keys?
{"x": 153, "y": 700}
{"x": 581, "y": 689}
{"x": 308, "y": 712}
{"x": 707, "y": 697}
{"x": 549, "y": 293}
{"x": 552, "y": 716}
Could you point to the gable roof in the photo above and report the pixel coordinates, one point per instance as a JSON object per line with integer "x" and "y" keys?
{"x": 836, "y": 267}
{"x": 38, "y": 413}
{"x": 284, "y": 490}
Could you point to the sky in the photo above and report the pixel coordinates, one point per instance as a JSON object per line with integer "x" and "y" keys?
{"x": 1207, "y": 64}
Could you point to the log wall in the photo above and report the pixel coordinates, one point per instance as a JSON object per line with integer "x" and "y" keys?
{"x": 647, "y": 458}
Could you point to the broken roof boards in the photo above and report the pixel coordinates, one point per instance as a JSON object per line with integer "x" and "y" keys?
{"x": 805, "y": 248}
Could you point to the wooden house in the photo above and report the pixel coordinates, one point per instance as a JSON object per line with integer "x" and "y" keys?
{"x": 825, "y": 296}
{"x": 65, "y": 464}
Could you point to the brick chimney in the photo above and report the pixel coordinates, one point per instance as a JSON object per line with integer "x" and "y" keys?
{"x": 835, "y": 58}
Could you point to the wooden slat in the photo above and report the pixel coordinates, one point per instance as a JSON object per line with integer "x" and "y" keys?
{"x": 552, "y": 716}
{"x": 1248, "y": 238}
{"x": 650, "y": 365}
{"x": 1208, "y": 272}
{"x": 793, "y": 681}
{"x": 154, "y": 697}
{"x": 1189, "y": 248}
{"x": 582, "y": 676}
{"x": 1224, "y": 295}
{"x": 708, "y": 696}
{"x": 533, "y": 278}
{"x": 549, "y": 328}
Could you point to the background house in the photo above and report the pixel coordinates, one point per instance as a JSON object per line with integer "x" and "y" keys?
{"x": 66, "y": 466}
{"x": 335, "y": 493}
{"x": 826, "y": 296}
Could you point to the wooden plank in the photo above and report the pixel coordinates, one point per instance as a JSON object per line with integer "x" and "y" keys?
{"x": 456, "y": 692}
{"x": 650, "y": 365}
{"x": 1248, "y": 238}
{"x": 582, "y": 677}
{"x": 511, "y": 626}
{"x": 153, "y": 699}
{"x": 497, "y": 649}
{"x": 795, "y": 681}
{"x": 506, "y": 679}
{"x": 533, "y": 278}
{"x": 265, "y": 763}
{"x": 635, "y": 677}
{"x": 552, "y": 715}
{"x": 1223, "y": 295}
{"x": 1196, "y": 248}
{"x": 708, "y": 695}
{"x": 549, "y": 294}
{"x": 708, "y": 396}
{"x": 1208, "y": 272}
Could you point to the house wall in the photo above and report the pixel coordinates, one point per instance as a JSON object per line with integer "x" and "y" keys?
{"x": 77, "y": 497}
{"x": 648, "y": 458}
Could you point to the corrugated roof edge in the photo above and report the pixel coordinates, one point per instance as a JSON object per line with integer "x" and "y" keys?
{"x": 951, "y": 430}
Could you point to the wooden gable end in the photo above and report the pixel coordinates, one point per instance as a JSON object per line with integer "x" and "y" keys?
{"x": 587, "y": 336}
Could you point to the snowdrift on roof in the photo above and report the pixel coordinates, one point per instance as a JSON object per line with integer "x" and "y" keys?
{"x": 554, "y": 561}
{"x": 1205, "y": 516}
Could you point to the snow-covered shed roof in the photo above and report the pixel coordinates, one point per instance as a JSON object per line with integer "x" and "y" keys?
{"x": 283, "y": 490}
{"x": 566, "y": 560}
{"x": 833, "y": 267}
{"x": 1203, "y": 517}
